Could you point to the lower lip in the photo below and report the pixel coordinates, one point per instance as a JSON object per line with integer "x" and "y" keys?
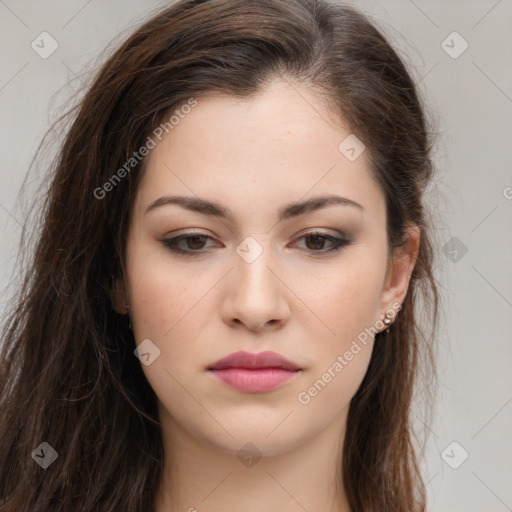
{"x": 254, "y": 381}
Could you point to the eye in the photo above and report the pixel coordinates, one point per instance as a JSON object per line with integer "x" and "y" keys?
{"x": 315, "y": 242}
{"x": 195, "y": 241}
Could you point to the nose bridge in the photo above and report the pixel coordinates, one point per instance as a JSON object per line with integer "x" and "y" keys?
{"x": 256, "y": 294}
{"x": 254, "y": 257}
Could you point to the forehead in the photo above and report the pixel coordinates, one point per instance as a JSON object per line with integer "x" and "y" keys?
{"x": 279, "y": 146}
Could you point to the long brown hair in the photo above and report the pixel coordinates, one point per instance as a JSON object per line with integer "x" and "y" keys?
{"x": 68, "y": 374}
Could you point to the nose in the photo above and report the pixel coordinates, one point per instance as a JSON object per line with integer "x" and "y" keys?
{"x": 256, "y": 294}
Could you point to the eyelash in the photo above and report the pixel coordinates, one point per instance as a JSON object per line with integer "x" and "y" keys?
{"x": 170, "y": 243}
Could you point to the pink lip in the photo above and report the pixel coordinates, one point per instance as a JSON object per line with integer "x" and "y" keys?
{"x": 254, "y": 373}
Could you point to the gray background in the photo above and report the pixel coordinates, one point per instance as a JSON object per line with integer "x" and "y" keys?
{"x": 472, "y": 198}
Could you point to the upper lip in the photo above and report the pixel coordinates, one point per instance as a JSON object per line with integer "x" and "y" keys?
{"x": 250, "y": 360}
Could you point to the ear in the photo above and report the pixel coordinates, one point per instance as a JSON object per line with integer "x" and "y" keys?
{"x": 118, "y": 297}
{"x": 399, "y": 272}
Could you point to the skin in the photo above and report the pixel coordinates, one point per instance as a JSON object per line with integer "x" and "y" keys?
{"x": 253, "y": 156}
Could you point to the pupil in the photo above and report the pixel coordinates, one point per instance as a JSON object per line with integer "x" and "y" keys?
{"x": 195, "y": 238}
{"x": 318, "y": 238}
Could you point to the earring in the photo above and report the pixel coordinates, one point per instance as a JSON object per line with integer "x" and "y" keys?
{"x": 388, "y": 320}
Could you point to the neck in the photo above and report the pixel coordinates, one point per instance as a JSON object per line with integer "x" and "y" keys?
{"x": 200, "y": 475}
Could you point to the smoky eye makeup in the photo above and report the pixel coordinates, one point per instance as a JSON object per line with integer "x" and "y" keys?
{"x": 313, "y": 241}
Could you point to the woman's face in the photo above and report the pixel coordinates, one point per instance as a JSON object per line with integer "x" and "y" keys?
{"x": 252, "y": 279}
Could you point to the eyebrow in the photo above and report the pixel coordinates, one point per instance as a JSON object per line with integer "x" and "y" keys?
{"x": 288, "y": 211}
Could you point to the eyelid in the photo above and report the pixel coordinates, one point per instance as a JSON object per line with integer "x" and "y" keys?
{"x": 184, "y": 232}
{"x": 320, "y": 232}
{"x": 307, "y": 231}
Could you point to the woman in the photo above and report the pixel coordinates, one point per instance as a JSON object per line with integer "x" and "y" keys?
{"x": 222, "y": 309}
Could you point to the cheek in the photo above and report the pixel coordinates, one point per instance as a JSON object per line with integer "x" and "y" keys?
{"x": 345, "y": 303}
{"x": 346, "y": 311}
{"x": 329, "y": 390}
{"x": 342, "y": 351}
{"x": 163, "y": 298}
{"x": 168, "y": 308}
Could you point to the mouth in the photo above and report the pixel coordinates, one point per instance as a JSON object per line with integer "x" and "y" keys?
{"x": 254, "y": 373}
{"x": 256, "y": 380}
